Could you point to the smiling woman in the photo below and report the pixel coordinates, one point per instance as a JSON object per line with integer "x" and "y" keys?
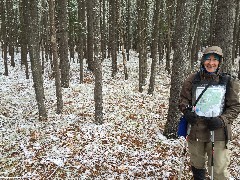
{"x": 212, "y": 59}
{"x": 211, "y": 63}
{"x": 211, "y": 117}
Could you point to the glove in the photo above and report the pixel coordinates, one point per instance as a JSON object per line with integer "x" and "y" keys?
{"x": 214, "y": 123}
{"x": 190, "y": 116}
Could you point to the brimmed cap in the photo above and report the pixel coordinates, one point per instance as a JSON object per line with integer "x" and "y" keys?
{"x": 213, "y": 49}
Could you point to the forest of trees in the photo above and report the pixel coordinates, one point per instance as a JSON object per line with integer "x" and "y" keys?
{"x": 54, "y": 31}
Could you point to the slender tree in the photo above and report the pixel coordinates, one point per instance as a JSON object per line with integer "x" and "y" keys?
{"x": 155, "y": 37}
{"x": 193, "y": 37}
{"x": 128, "y": 29}
{"x": 103, "y": 27}
{"x": 24, "y": 35}
{"x": 122, "y": 45}
{"x": 55, "y": 56}
{"x": 90, "y": 35}
{"x": 81, "y": 35}
{"x": 45, "y": 45}
{"x": 97, "y": 64}
{"x": 197, "y": 42}
{"x": 10, "y": 22}
{"x": 4, "y": 36}
{"x": 112, "y": 34}
{"x": 170, "y": 26}
{"x": 35, "y": 58}
{"x": 212, "y": 21}
{"x": 142, "y": 39}
{"x": 72, "y": 19}
{"x": 63, "y": 43}
{"x": 161, "y": 36}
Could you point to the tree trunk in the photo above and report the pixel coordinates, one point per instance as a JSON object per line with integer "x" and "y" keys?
{"x": 193, "y": 37}
{"x": 55, "y": 57}
{"x": 224, "y": 31}
{"x": 161, "y": 37}
{"x": 112, "y": 35}
{"x": 235, "y": 32}
{"x": 238, "y": 41}
{"x": 71, "y": 34}
{"x": 10, "y": 22}
{"x": 63, "y": 43}
{"x": 103, "y": 28}
{"x": 142, "y": 44}
{"x": 44, "y": 34}
{"x": 35, "y": 59}
{"x": 170, "y": 26}
{"x": 4, "y": 36}
{"x": 155, "y": 37}
{"x": 128, "y": 29}
{"x": 24, "y": 38}
{"x": 212, "y": 21}
{"x": 98, "y": 64}
{"x": 90, "y": 30}
{"x": 123, "y": 46}
{"x": 197, "y": 44}
{"x": 180, "y": 64}
{"x": 81, "y": 34}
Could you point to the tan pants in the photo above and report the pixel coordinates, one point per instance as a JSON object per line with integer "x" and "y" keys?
{"x": 200, "y": 152}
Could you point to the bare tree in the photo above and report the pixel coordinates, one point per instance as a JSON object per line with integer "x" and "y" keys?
{"x": 10, "y": 22}
{"x": 128, "y": 29}
{"x": 90, "y": 35}
{"x": 55, "y": 57}
{"x": 44, "y": 34}
{"x": 4, "y": 36}
{"x": 161, "y": 36}
{"x": 81, "y": 35}
{"x": 71, "y": 28}
{"x": 122, "y": 45}
{"x": 112, "y": 34}
{"x": 97, "y": 64}
{"x": 35, "y": 58}
{"x": 142, "y": 39}
{"x": 63, "y": 43}
{"x": 24, "y": 35}
{"x": 103, "y": 27}
{"x": 212, "y": 21}
{"x": 224, "y": 31}
{"x": 155, "y": 37}
{"x": 180, "y": 65}
{"x": 170, "y": 26}
{"x": 193, "y": 36}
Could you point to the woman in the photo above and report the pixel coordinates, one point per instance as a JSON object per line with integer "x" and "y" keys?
{"x": 216, "y": 110}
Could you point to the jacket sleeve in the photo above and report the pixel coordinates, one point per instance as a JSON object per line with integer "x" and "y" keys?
{"x": 232, "y": 103}
{"x": 185, "y": 98}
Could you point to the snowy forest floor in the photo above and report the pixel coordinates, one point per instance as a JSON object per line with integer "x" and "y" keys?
{"x": 128, "y": 145}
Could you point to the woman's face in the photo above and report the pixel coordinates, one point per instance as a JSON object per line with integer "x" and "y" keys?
{"x": 211, "y": 63}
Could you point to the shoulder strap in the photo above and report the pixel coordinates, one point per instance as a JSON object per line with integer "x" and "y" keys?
{"x": 200, "y": 95}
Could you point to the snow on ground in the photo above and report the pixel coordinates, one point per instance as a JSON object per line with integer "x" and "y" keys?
{"x": 128, "y": 145}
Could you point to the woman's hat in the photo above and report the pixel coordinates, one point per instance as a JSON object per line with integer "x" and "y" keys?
{"x": 213, "y": 49}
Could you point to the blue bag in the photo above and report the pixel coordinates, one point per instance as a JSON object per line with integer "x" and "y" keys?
{"x": 182, "y": 127}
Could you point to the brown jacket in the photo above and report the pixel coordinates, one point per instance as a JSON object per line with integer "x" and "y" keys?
{"x": 200, "y": 131}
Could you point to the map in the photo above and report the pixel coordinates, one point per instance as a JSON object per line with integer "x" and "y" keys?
{"x": 211, "y": 102}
